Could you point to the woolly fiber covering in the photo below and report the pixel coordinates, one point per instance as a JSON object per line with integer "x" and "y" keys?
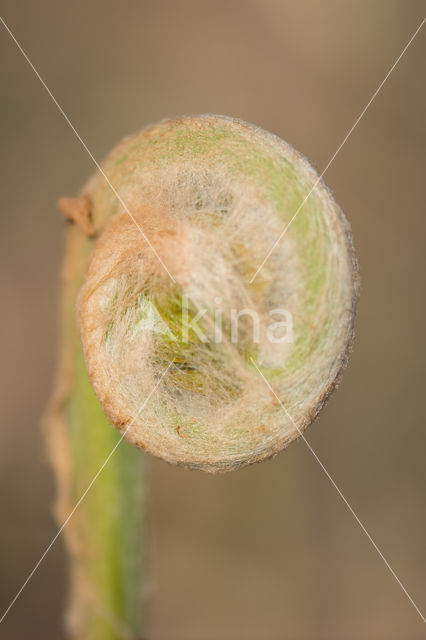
{"x": 212, "y": 195}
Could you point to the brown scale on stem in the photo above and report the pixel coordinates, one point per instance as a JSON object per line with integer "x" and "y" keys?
{"x": 78, "y": 211}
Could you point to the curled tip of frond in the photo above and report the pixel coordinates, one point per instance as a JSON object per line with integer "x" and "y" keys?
{"x": 189, "y": 354}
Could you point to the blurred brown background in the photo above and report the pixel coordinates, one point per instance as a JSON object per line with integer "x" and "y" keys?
{"x": 270, "y": 552}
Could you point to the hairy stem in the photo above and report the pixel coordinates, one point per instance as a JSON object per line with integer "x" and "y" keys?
{"x": 105, "y": 535}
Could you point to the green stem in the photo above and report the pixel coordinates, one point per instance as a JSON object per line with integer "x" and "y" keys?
{"x": 105, "y": 536}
